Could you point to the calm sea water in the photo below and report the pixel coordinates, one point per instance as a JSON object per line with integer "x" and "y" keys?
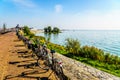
{"x": 107, "y": 40}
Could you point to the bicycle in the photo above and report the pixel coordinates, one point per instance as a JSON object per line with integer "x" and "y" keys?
{"x": 39, "y": 53}
{"x": 55, "y": 65}
{"x": 42, "y": 54}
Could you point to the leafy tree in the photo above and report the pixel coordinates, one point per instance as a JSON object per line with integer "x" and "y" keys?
{"x": 26, "y": 30}
{"x": 49, "y": 29}
{"x": 56, "y": 30}
{"x": 45, "y": 29}
{"x": 4, "y": 27}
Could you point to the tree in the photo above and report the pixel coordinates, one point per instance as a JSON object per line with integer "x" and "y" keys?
{"x": 26, "y": 30}
{"x": 49, "y": 29}
{"x": 45, "y": 29}
{"x": 4, "y": 27}
{"x": 56, "y": 30}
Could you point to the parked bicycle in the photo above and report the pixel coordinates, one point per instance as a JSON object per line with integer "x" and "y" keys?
{"x": 39, "y": 53}
{"x": 55, "y": 65}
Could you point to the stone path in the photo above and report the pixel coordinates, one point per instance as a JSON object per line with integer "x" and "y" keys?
{"x": 13, "y": 65}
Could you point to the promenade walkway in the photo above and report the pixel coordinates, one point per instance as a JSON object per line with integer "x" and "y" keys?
{"x": 13, "y": 65}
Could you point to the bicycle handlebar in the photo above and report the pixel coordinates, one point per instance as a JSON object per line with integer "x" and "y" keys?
{"x": 52, "y": 51}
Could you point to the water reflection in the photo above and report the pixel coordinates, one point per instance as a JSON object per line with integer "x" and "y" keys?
{"x": 47, "y": 36}
{"x": 50, "y": 36}
{"x": 55, "y": 36}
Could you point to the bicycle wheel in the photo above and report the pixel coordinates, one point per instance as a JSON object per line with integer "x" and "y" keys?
{"x": 34, "y": 55}
{"x": 59, "y": 70}
{"x": 48, "y": 61}
{"x": 44, "y": 53}
{"x": 41, "y": 64}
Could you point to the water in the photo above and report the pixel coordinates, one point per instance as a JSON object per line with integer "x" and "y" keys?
{"x": 107, "y": 40}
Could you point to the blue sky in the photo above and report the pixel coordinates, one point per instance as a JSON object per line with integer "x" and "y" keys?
{"x": 65, "y": 14}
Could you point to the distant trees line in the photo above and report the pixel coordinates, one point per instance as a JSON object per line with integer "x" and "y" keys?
{"x": 50, "y": 30}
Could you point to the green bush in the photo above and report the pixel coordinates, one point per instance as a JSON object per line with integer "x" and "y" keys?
{"x": 92, "y": 52}
{"x": 73, "y": 46}
{"x": 31, "y": 35}
{"x": 26, "y": 30}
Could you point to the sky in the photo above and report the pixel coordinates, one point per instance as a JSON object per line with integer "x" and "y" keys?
{"x": 65, "y": 14}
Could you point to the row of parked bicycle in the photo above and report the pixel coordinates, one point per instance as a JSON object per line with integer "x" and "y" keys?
{"x": 42, "y": 55}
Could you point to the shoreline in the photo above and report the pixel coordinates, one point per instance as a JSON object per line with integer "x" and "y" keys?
{"x": 37, "y": 31}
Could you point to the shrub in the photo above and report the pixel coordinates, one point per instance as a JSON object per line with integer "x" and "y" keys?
{"x": 26, "y": 30}
{"x": 72, "y": 46}
{"x": 31, "y": 35}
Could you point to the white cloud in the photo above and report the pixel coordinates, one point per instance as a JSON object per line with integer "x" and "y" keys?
{"x": 58, "y": 8}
